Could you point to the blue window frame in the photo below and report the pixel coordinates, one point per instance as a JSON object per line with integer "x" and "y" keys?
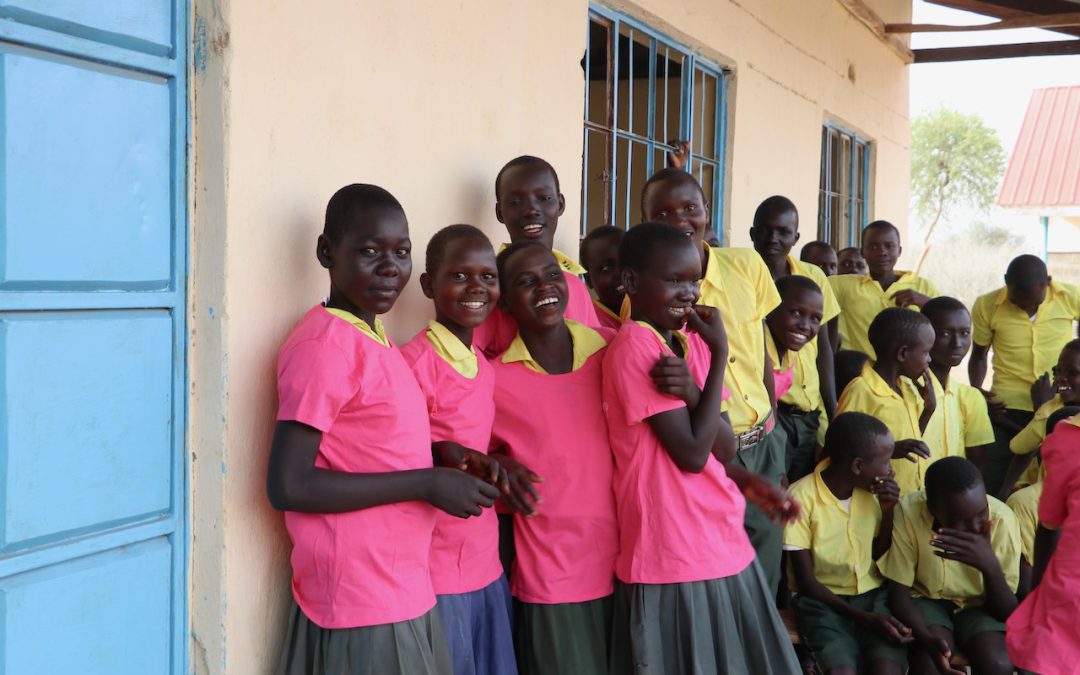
{"x": 844, "y": 197}
{"x": 643, "y": 92}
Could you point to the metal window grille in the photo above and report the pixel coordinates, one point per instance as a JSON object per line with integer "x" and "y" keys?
{"x": 643, "y": 92}
{"x": 843, "y": 200}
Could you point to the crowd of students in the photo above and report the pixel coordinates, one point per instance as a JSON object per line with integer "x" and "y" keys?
{"x": 627, "y": 465}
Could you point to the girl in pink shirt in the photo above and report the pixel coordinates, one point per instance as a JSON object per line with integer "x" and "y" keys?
{"x": 351, "y": 465}
{"x": 693, "y": 598}
{"x": 548, "y": 418}
{"x": 471, "y": 592}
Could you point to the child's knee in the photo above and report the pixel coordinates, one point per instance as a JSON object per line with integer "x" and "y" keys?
{"x": 987, "y": 654}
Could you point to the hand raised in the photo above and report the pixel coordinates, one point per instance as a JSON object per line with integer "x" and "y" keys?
{"x": 965, "y": 547}
{"x": 887, "y": 491}
{"x": 910, "y": 449}
{"x": 707, "y": 322}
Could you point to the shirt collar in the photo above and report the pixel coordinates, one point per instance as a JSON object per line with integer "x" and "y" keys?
{"x": 585, "y": 341}
{"x": 453, "y": 350}
{"x": 823, "y": 491}
{"x": 877, "y": 383}
{"x": 566, "y": 262}
{"x": 679, "y": 335}
{"x": 601, "y": 307}
{"x": 774, "y": 353}
{"x": 376, "y": 333}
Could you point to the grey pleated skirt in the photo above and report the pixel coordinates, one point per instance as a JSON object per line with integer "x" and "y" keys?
{"x": 721, "y": 626}
{"x": 415, "y": 647}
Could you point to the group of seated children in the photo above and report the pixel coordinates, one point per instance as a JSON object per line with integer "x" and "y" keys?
{"x": 583, "y": 469}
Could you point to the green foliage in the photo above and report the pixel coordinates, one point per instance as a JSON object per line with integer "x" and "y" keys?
{"x": 956, "y": 160}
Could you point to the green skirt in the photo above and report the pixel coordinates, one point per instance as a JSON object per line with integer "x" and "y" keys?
{"x": 415, "y": 647}
{"x": 571, "y": 638}
{"x": 727, "y": 626}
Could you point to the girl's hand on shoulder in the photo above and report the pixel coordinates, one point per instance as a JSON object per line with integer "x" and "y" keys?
{"x": 520, "y": 494}
{"x": 672, "y": 376}
{"x": 707, "y": 323}
{"x": 458, "y": 493}
{"x": 770, "y": 498}
{"x": 887, "y": 491}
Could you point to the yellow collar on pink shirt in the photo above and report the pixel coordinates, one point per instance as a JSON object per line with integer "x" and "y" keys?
{"x": 586, "y": 342}
{"x": 376, "y": 332}
{"x": 452, "y": 350}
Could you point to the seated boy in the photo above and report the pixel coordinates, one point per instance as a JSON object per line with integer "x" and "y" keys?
{"x": 861, "y": 298}
{"x": 841, "y": 610}
{"x": 793, "y": 327}
{"x": 850, "y": 261}
{"x": 953, "y": 569}
{"x": 964, "y": 419}
{"x": 1024, "y": 445}
{"x": 820, "y": 253}
{"x": 898, "y": 390}
{"x": 599, "y": 255}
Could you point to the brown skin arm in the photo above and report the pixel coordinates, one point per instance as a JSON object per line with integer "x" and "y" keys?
{"x": 834, "y": 333}
{"x": 904, "y": 609}
{"x": 767, "y": 377}
{"x": 883, "y": 540}
{"x": 1046, "y": 541}
{"x": 977, "y": 365}
{"x": 294, "y": 483}
{"x": 826, "y": 377}
{"x": 687, "y": 434}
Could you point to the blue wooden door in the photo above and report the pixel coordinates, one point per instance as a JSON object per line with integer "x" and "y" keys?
{"x": 93, "y": 109}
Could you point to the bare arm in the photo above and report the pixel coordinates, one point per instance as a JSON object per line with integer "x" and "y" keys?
{"x": 977, "y": 365}
{"x": 689, "y": 435}
{"x": 826, "y": 377}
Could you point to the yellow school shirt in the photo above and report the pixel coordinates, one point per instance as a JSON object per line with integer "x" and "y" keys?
{"x": 805, "y": 392}
{"x": 585, "y": 340}
{"x": 376, "y": 332}
{"x": 1024, "y": 348}
{"x": 965, "y": 418}
{"x": 911, "y": 561}
{"x": 869, "y": 393}
{"x": 566, "y": 262}
{"x": 1031, "y": 438}
{"x": 1025, "y": 506}
{"x": 861, "y": 299}
{"x": 840, "y": 540}
{"x": 452, "y": 350}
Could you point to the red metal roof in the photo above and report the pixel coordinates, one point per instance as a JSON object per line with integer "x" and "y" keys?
{"x": 1044, "y": 169}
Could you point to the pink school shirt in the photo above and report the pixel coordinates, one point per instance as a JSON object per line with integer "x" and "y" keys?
{"x": 496, "y": 333}
{"x": 674, "y": 527}
{"x": 782, "y": 381}
{"x": 554, "y": 425}
{"x": 367, "y": 567}
{"x": 464, "y": 552}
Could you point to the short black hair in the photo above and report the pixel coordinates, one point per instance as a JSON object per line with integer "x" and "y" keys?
{"x": 773, "y": 206}
{"x": 1060, "y": 414}
{"x": 812, "y": 246}
{"x": 642, "y": 241}
{"x": 525, "y": 160}
{"x": 791, "y": 282}
{"x": 895, "y": 327}
{"x": 847, "y": 364}
{"x": 504, "y": 257}
{"x": 598, "y": 234}
{"x": 853, "y": 249}
{"x": 851, "y": 435}
{"x": 951, "y": 476}
{"x": 1070, "y": 346}
{"x": 436, "y": 248}
{"x": 1025, "y": 272}
{"x": 942, "y": 304}
{"x": 664, "y": 175}
{"x": 882, "y": 225}
{"x": 352, "y": 198}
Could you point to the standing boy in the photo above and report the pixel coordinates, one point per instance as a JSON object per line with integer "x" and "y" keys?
{"x": 1026, "y": 323}
{"x": 861, "y": 298}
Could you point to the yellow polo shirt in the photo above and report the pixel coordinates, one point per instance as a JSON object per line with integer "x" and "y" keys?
{"x": 1025, "y": 506}
{"x": 840, "y": 539}
{"x": 869, "y": 393}
{"x": 911, "y": 560}
{"x": 861, "y": 299}
{"x": 1031, "y": 438}
{"x": 965, "y": 418}
{"x": 376, "y": 332}
{"x": 452, "y": 350}
{"x": 585, "y": 340}
{"x": 1024, "y": 347}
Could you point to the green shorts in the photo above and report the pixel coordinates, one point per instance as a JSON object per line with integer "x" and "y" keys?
{"x": 837, "y": 641}
{"x": 963, "y": 623}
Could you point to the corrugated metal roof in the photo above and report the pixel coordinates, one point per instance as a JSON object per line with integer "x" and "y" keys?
{"x": 1044, "y": 169}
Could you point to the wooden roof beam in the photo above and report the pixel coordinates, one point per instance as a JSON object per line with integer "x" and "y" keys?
{"x": 1031, "y": 21}
{"x": 869, "y": 18}
{"x": 983, "y": 52}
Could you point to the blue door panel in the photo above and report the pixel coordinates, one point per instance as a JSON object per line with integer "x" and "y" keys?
{"x": 66, "y": 619}
{"x": 86, "y": 163}
{"x": 88, "y": 440}
{"x": 143, "y": 25}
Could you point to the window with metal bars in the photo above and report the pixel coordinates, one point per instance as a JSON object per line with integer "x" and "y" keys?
{"x": 643, "y": 93}
{"x": 843, "y": 200}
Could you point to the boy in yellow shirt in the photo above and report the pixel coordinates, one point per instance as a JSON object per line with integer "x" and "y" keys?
{"x": 953, "y": 569}
{"x": 962, "y": 414}
{"x": 1026, "y": 323}
{"x": 841, "y": 610}
{"x": 862, "y": 297}
{"x": 898, "y": 389}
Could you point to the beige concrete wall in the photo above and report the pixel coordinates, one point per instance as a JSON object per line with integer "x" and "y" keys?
{"x": 293, "y": 100}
